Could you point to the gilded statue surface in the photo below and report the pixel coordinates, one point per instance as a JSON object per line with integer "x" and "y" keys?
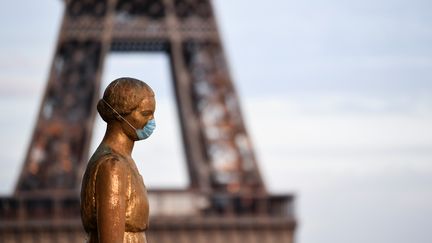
{"x": 114, "y": 203}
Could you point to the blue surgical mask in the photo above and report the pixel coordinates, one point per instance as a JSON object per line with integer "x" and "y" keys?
{"x": 147, "y": 130}
{"x": 142, "y": 133}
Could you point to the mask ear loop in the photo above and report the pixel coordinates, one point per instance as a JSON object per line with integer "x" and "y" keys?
{"x": 118, "y": 113}
{"x": 115, "y": 85}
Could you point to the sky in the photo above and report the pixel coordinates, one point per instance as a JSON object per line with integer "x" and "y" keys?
{"x": 337, "y": 98}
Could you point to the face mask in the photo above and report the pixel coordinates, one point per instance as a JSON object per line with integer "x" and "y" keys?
{"x": 147, "y": 130}
{"x": 142, "y": 133}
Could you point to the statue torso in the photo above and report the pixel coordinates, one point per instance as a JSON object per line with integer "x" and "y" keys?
{"x": 137, "y": 208}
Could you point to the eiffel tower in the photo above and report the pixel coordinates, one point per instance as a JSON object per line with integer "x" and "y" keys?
{"x": 226, "y": 200}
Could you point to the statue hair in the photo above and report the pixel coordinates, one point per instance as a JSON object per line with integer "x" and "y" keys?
{"x": 124, "y": 95}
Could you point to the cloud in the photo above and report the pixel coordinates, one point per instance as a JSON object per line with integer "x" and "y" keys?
{"x": 366, "y": 47}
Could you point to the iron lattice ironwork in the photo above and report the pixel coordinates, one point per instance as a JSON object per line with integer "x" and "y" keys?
{"x": 226, "y": 198}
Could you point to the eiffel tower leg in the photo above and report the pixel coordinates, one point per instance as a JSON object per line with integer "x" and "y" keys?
{"x": 60, "y": 141}
{"x": 227, "y": 149}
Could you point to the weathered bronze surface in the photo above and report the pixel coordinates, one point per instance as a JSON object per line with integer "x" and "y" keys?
{"x": 114, "y": 203}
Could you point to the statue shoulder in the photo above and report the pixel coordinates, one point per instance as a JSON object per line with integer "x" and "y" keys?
{"x": 111, "y": 165}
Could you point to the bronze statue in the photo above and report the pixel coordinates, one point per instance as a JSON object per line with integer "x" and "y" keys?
{"x": 114, "y": 203}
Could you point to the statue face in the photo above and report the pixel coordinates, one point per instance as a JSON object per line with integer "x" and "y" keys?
{"x": 139, "y": 117}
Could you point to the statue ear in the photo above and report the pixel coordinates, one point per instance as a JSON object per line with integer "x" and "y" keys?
{"x": 120, "y": 118}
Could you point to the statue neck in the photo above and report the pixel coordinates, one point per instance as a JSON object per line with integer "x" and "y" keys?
{"x": 117, "y": 140}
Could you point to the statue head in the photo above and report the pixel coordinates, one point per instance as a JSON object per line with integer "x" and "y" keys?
{"x": 129, "y": 103}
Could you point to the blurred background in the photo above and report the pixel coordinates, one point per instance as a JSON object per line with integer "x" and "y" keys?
{"x": 337, "y": 97}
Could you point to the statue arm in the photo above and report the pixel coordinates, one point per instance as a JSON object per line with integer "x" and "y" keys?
{"x": 110, "y": 190}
